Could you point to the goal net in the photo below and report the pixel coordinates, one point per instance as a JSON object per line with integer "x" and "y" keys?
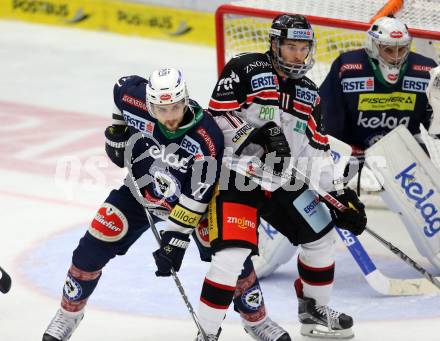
{"x": 339, "y": 26}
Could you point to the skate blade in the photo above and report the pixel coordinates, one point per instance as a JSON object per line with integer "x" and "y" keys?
{"x": 322, "y": 332}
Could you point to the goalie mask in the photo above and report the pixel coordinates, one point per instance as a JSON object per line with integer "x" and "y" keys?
{"x": 388, "y": 42}
{"x": 167, "y": 97}
{"x": 292, "y": 27}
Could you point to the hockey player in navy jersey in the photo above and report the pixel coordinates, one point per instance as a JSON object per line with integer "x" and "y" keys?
{"x": 265, "y": 100}
{"x": 177, "y": 136}
{"x": 370, "y": 91}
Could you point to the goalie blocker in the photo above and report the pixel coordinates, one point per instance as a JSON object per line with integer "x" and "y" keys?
{"x": 411, "y": 185}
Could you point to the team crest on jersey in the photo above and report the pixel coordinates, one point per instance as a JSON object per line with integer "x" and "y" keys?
{"x": 357, "y": 84}
{"x": 263, "y": 80}
{"x": 139, "y": 123}
{"x": 227, "y": 82}
{"x": 415, "y": 84}
{"x": 165, "y": 184}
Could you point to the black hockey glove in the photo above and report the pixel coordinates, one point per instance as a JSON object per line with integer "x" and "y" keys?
{"x": 272, "y": 139}
{"x": 354, "y": 218}
{"x": 116, "y": 138}
{"x": 171, "y": 252}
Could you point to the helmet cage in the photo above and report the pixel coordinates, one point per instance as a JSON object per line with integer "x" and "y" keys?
{"x": 292, "y": 70}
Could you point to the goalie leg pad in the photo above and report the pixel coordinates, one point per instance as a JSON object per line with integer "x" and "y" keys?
{"x": 412, "y": 186}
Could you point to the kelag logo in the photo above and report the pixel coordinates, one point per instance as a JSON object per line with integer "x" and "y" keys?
{"x": 415, "y": 192}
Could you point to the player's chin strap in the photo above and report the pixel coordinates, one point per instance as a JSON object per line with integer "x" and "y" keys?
{"x": 130, "y": 182}
{"x": 257, "y": 164}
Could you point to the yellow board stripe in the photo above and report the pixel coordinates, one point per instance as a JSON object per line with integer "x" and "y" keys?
{"x": 180, "y": 25}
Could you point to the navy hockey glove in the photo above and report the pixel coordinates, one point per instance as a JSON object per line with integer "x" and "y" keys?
{"x": 272, "y": 139}
{"x": 170, "y": 254}
{"x": 354, "y": 218}
{"x": 116, "y": 138}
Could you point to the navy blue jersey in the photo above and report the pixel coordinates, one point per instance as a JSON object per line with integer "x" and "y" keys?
{"x": 171, "y": 167}
{"x": 360, "y": 107}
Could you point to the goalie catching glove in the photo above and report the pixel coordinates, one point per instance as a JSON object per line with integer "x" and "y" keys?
{"x": 353, "y": 218}
{"x": 170, "y": 254}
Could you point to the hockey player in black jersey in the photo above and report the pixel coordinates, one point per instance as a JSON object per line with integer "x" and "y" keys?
{"x": 177, "y": 136}
{"x": 255, "y": 96}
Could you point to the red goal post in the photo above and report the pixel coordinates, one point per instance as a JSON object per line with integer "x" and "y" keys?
{"x": 243, "y": 27}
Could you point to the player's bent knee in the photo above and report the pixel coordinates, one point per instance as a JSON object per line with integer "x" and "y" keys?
{"x": 227, "y": 264}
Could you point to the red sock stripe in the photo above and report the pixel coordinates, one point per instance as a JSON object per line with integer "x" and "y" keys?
{"x": 213, "y": 305}
{"x": 316, "y": 276}
{"x": 219, "y": 286}
{"x": 307, "y": 267}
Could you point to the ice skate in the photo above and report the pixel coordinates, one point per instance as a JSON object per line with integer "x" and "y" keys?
{"x": 62, "y": 326}
{"x": 322, "y": 321}
{"x": 267, "y": 330}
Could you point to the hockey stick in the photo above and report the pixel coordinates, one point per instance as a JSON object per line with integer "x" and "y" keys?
{"x": 5, "y": 281}
{"x": 237, "y": 165}
{"x": 134, "y": 187}
{"x": 376, "y": 279}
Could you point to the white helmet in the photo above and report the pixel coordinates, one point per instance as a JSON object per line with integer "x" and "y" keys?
{"x": 166, "y": 86}
{"x": 388, "y": 32}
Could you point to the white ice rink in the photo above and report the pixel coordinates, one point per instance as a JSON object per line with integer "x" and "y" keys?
{"x": 55, "y": 101}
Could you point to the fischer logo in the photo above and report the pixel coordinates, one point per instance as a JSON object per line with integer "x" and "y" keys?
{"x": 384, "y": 121}
{"x": 139, "y": 123}
{"x": 396, "y": 34}
{"x": 415, "y": 192}
{"x": 415, "y": 84}
{"x": 305, "y": 94}
{"x": 357, "y": 84}
{"x": 241, "y": 222}
{"x": 263, "y": 80}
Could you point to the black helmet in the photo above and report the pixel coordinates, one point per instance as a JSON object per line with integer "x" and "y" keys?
{"x": 295, "y": 27}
